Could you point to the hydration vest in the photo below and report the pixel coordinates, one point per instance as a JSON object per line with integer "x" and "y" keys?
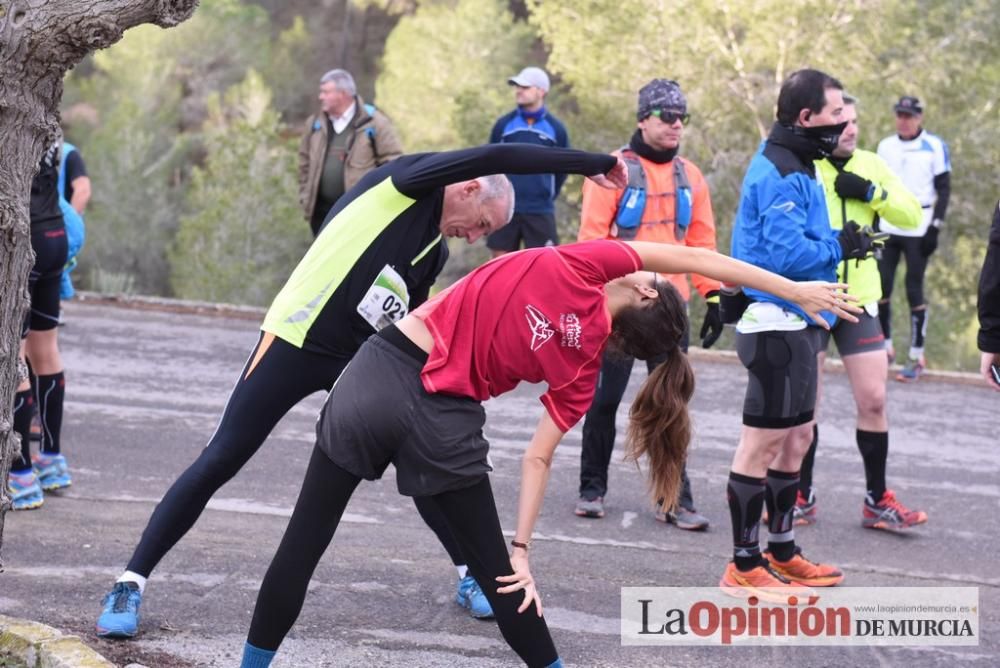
{"x": 632, "y": 205}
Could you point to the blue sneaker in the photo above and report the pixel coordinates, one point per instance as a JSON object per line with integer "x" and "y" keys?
{"x": 472, "y": 597}
{"x": 912, "y": 370}
{"x": 120, "y": 617}
{"x": 25, "y": 492}
{"x": 52, "y": 471}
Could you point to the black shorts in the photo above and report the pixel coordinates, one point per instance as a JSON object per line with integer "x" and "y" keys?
{"x": 535, "y": 229}
{"x": 781, "y": 391}
{"x": 51, "y": 249}
{"x": 379, "y": 413}
{"x": 853, "y": 338}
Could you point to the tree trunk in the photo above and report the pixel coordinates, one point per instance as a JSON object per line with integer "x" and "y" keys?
{"x": 40, "y": 40}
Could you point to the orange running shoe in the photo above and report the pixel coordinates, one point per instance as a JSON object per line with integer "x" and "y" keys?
{"x": 890, "y": 514}
{"x": 763, "y": 582}
{"x": 800, "y": 570}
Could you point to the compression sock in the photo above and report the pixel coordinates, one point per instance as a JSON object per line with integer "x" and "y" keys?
{"x": 51, "y": 392}
{"x": 255, "y": 657}
{"x": 918, "y": 330}
{"x": 874, "y": 447}
{"x": 746, "y": 503}
{"x": 885, "y": 319}
{"x": 806, "y": 473}
{"x": 782, "y": 489}
{"x": 24, "y": 408}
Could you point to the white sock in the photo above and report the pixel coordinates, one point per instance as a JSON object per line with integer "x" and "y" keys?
{"x": 132, "y": 576}
{"x": 463, "y": 570}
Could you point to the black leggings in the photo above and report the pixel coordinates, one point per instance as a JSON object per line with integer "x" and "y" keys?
{"x": 916, "y": 266}
{"x": 283, "y": 377}
{"x": 471, "y": 516}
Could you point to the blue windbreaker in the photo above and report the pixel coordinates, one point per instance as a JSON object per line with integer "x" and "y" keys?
{"x": 533, "y": 193}
{"x": 782, "y": 223}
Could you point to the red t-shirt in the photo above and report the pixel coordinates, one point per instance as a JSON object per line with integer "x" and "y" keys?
{"x": 536, "y": 315}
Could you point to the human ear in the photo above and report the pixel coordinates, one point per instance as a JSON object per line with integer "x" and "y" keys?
{"x": 645, "y": 291}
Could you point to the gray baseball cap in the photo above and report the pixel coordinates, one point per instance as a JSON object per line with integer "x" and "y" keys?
{"x": 531, "y": 76}
{"x": 661, "y": 94}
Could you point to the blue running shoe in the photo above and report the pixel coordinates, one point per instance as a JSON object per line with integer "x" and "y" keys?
{"x": 25, "y": 492}
{"x": 472, "y": 597}
{"x": 52, "y": 471}
{"x": 912, "y": 370}
{"x": 120, "y": 617}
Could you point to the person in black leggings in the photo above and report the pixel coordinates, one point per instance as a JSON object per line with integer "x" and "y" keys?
{"x": 380, "y": 250}
{"x": 541, "y": 315}
{"x": 40, "y": 342}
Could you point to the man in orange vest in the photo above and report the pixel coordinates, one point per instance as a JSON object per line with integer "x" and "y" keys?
{"x": 666, "y": 201}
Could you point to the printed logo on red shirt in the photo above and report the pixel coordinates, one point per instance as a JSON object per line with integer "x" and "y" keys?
{"x": 571, "y": 329}
{"x": 540, "y": 326}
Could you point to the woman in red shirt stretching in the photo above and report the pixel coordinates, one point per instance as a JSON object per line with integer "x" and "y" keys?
{"x": 540, "y": 315}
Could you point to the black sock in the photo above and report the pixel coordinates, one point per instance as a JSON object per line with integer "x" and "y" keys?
{"x": 50, "y": 393}
{"x": 874, "y": 447}
{"x": 24, "y": 408}
{"x": 918, "y": 327}
{"x": 782, "y": 489}
{"x": 806, "y": 472}
{"x": 885, "y": 318}
{"x": 746, "y": 503}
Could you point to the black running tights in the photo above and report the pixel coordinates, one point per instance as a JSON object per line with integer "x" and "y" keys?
{"x": 471, "y": 516}
{"x": 283, "y": 377}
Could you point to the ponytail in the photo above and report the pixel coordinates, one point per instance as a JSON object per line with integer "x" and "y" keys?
{"x": 660, "y": 426}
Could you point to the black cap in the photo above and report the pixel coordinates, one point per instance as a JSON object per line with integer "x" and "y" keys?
{"x": 908, "y": 105}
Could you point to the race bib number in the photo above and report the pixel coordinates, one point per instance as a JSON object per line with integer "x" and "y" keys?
{"x": 386, "y": 300}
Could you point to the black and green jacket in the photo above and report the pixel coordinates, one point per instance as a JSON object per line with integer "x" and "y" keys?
{"x": 392, "y": 217}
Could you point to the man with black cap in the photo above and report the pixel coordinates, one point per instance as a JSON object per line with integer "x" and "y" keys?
{"x": 666, "y": 201}
{"x": 534, "y": 220}
{"x": 921, "y": 160}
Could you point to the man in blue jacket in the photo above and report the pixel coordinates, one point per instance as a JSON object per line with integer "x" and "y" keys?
{"x": 534, "y": 220}
{"x": 782, "y": 225}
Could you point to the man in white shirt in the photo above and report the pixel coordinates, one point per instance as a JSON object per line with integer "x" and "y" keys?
{"x": 921, "y": 160}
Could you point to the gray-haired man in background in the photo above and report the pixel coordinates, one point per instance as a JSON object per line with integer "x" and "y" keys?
{"x": 343, "y": 142}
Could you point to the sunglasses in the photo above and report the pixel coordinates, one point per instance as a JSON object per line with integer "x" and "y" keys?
{"x": 670, "y": 117}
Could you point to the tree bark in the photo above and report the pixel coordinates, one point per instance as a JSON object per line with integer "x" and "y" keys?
{"x": 40, "y": 40}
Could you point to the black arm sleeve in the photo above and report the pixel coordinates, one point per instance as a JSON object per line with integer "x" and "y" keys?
{"x": 562, "y": 141}
{"x": 989, "y": 292}
{"x": 430, "y": 171}
{"x": 942, "y": 184}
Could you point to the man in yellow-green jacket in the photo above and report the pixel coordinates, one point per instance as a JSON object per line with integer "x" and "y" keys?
{"x": 860, "y": 187}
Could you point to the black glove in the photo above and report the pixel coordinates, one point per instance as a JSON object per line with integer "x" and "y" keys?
{"x": 732, "y": 303}
{"x": 852, "y": 186}
{"x": 928, "y": 244}
{"x": 857, "y": 244}
{"x": 711, "y": 328}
